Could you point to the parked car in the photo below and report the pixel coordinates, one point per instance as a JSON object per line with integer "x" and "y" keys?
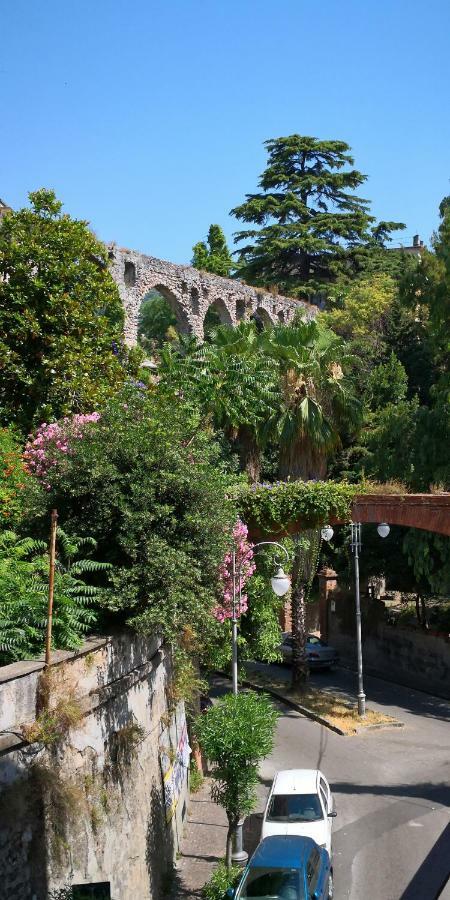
{"x": 286, "y": 868}
{"x": 300, "y": 803}
{"x": 320, "y": 655}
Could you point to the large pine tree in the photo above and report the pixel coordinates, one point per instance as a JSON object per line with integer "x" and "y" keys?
{"x": 312, "y": 224}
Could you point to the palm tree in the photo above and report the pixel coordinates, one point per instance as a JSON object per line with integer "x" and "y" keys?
{"x": 233, "y": 382}
{"x": 316, "y": 404}
{"x": 316, "y": 401}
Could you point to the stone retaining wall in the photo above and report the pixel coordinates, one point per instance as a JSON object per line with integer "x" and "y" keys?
{"x": 408, "y": 656}
{"x": 106, "y": 803}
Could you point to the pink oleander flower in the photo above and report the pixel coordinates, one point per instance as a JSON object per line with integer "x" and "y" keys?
{"x": 245, "y": 567}
{"x": 53, "y": 442}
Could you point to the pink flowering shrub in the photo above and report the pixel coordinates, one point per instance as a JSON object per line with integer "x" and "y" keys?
{"x": 244, "y": 569}
{"x": 53, "y": 442}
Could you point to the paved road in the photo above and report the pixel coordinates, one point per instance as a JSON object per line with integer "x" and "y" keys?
{"x": 391, "y": 790}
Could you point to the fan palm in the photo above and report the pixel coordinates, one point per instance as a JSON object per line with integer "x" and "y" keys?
{"x": 316, "y": 404}
{"x": 316, "y": 401}
{"x": 232, "y": 381}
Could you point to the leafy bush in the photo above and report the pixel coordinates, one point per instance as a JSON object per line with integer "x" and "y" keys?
{"x": 13, "y": 476}
{"x": 24, "y": 566}
{"x": 221, "y": 879}
{"x": 148, "y": 483}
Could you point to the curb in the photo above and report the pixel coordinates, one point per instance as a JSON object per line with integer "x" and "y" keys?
{"x": 309, "y": 714}
{"x": 292, "y": 703}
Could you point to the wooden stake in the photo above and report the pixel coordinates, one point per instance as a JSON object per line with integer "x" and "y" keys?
{"x": 51, "y": 586}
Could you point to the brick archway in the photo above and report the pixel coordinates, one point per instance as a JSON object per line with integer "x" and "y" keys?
{"x": 430, "y": 512}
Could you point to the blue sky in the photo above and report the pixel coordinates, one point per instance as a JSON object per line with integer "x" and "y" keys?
{"x": 148, "y": 118}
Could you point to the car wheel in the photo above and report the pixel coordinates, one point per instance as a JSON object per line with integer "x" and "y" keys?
{"x": 330, "y": 886}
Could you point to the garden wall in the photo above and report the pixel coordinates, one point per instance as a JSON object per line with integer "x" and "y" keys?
{"x": 407, "y": 655}
{"x": 102, "y": 804}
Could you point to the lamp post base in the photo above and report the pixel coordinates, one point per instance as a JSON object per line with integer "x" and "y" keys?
{"x": 239, "y": 857}
{"x": 361, "y": 704}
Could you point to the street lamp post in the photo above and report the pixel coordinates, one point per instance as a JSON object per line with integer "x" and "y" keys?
{"x": 280, "y": 585}
{"x": 327, "y": 533}
{"x": 356, "y": 547}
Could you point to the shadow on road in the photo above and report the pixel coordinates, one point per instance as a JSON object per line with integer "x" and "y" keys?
{"x": 434, "y": 873}
{"x": 435, "y": 793}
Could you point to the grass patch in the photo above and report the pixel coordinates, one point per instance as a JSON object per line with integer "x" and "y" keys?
{"x": 337, "y": 710}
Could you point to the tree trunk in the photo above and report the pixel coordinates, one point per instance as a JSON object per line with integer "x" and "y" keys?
{"x": 249, "y": 452}
{"x": 299, "y": 460}
{"x": 300, "y": 668}
{"x": 425, "y": 623}
{"x": 232, "y": 825}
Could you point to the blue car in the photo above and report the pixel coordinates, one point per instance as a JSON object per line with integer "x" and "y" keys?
{"x": 286, "y": 867}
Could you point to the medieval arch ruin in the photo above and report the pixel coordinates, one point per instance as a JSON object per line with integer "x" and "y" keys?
{"x": 190, "y": 293}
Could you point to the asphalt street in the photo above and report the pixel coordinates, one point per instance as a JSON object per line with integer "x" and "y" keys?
{"x": 391, "y": 789}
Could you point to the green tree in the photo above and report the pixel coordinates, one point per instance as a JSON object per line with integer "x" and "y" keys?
{"x": 235, "y": 735}
{"x": 60, "y": 315}
{"x": 231, "y": 381}
{"x": 317, "y": 402}
{"x": 316, "y": 398}
{"x": 311, "y": 223}
{"x": 214, "y": 255}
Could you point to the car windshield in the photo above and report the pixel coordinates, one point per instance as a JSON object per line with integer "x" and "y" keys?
{"x": 272, "y": 884}
{"x": 294, "y": 808}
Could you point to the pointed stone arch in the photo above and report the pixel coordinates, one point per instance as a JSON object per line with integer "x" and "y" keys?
{"x": 219, "y": 306}
{"x": 263, "y": 316}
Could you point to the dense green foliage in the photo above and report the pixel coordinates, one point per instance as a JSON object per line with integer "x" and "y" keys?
{"x": 148, "y": 484}
{"x": 157, "y": 323}
{"x": 60, "y": 315}
{"x": 312, "y": 226}
{"x": 236, "y": 734}
{"x": 13, "y": 477}
{"x": 313, "y": 503}
{"x": 214, "y": 255}
{"x": 24, "y": 565}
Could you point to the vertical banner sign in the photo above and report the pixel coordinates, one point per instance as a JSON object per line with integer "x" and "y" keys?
{"x": 175, "y": 775}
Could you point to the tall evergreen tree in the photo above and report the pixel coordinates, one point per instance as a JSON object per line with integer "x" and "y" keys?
{"x": 213, "y": 256}
{"x": 312, "y": 222}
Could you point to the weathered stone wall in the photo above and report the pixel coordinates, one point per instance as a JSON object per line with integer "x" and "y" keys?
{"x": 190, "y": 293}
{"x": 404, "y": 654}
{"x": 92, "y": 807}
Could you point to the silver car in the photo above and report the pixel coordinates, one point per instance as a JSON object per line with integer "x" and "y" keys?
{"x": 319, "y": 654}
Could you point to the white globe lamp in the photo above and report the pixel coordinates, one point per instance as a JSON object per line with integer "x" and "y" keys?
{"x": 280, "y": 583}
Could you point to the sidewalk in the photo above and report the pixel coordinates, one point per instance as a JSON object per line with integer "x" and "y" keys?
{"x": 202, "y": 847}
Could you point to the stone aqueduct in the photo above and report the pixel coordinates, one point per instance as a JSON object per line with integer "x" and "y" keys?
{"x": 190, "y": 293}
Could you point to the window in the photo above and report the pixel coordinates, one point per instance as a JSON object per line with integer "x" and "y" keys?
{"x": 99, "y": 891}
{"x": 129, "y": 274}
{"x": 294, "y": 808}
{"x": 312, "y": 639}
{"x": 324, "y": 793}
{"x": 313, "y": 871}
{"x": 284, "y": 884}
